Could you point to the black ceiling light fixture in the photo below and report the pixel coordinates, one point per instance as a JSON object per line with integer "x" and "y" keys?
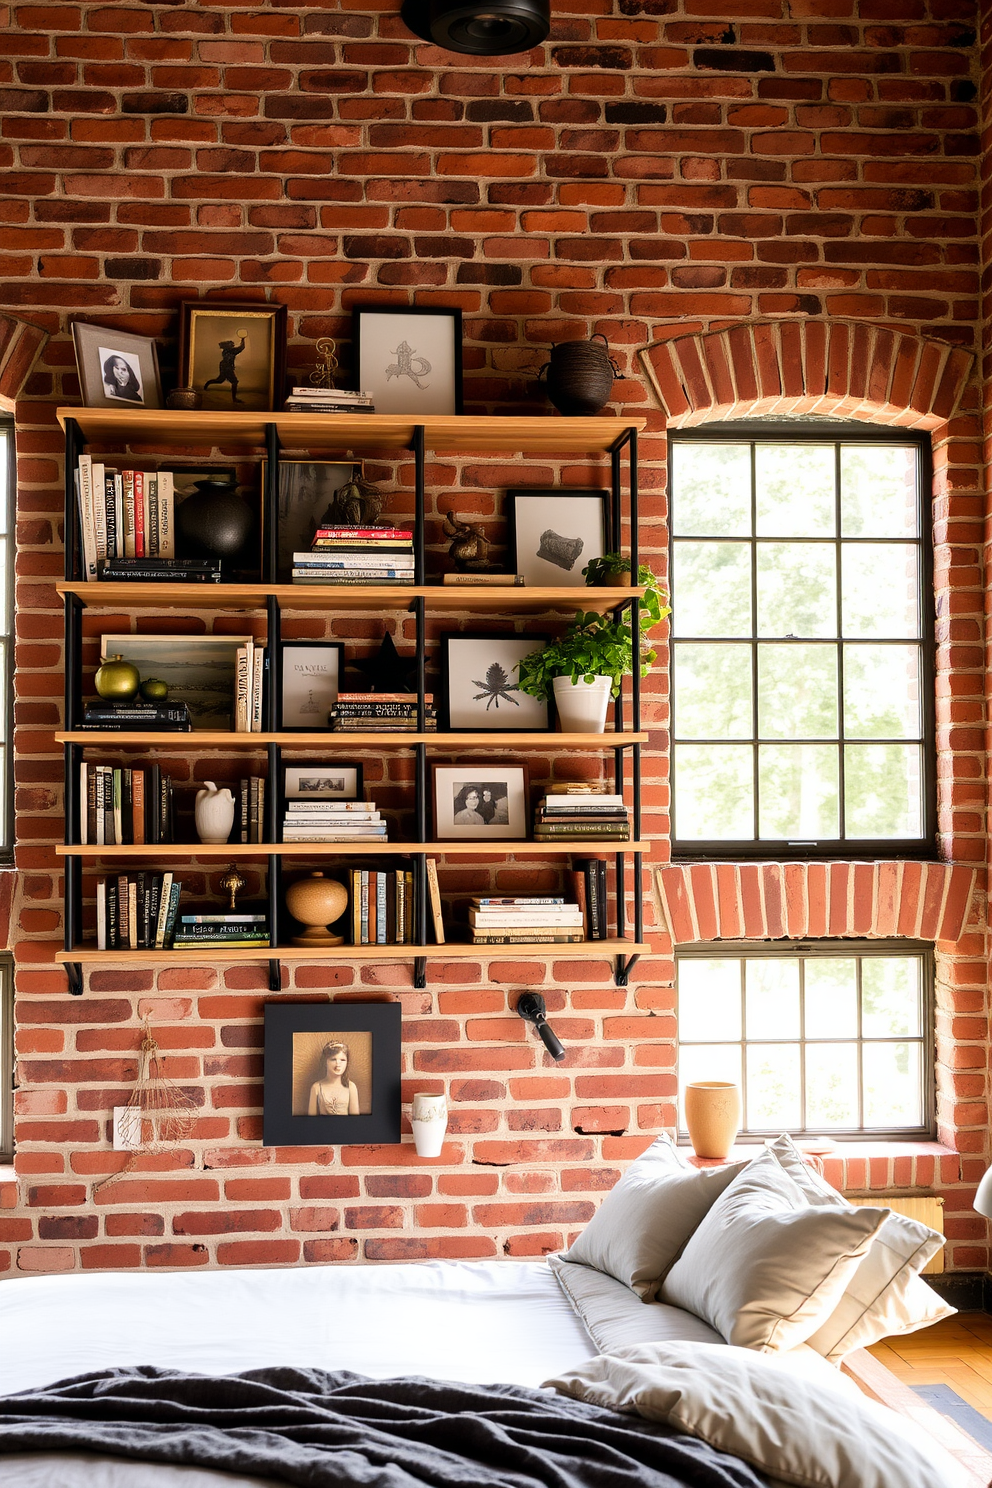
{"x": 480, "y": 28}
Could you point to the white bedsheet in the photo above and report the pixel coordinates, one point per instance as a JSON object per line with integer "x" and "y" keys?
{"x": 477, "y": 1321}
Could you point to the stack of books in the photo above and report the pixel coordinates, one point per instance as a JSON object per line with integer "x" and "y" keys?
{"x": 124, "y": 805}
{"x": 136, "y": 911}
{"x": 249, "y": 686}
{"x": 166, "y": 718}
{"x": 588, "y": 880}
{"x": 333, "y": 821}
{"x": 251, "y": 814}
{"x": 226, "y": 928}
{"x": 123, "y": 513}
{"x": 376, "y": 554}
{"x": 328, "y": 400}
{"x": 525, "y": 919}
{"x": 581, "y": 811}
{"x": 380, "y": 712}
{"x": 381, "y": 906}
{"x": 160, "y": 570}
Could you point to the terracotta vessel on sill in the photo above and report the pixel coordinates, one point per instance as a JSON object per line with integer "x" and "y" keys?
{"x": 712, "y": 1116}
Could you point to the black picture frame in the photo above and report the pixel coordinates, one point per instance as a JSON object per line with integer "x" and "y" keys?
{"x": 368, "y": 369}
{"x": 298, "y": 510}
{"x": 286, "y": 710}
{"x": 293, "y": 1035}
{"x": 501, "y": 722}
{"x": 565, "y": 577}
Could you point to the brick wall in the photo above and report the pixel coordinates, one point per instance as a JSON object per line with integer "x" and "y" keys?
{"x": 654, "y": 174}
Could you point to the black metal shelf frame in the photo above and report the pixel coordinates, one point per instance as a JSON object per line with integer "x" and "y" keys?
{"x": 73, "y": 753}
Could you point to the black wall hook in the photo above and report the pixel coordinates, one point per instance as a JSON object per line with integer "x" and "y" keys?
{"x": 531, "y": 1006}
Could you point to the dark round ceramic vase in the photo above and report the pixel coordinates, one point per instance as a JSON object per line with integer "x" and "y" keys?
{"x": 215, "y": 523}
{"x": 580, "y": 376}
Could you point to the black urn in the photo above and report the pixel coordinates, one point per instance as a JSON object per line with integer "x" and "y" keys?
{"x": 215, "y": 523}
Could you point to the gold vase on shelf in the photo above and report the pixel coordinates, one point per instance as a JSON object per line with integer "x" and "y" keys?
{"x": 713, "y": 1117}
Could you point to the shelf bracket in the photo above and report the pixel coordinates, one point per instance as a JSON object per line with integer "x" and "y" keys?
{"x": 420, "y": 972}
{"x": 624, "y": 966}
{"x": 74, "y": 972}
{"x": 275, "y": 976}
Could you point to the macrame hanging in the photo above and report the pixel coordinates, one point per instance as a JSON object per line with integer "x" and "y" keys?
{"x": 163, "y": 1114}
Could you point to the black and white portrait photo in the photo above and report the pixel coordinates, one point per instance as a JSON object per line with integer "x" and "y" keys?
{"x": 481, "y": 683}
{"x": 116, "y": 369}
{"x": 121, "y": 376}
{"x": 555, "y": 533}
{"x": 491, "y": 800}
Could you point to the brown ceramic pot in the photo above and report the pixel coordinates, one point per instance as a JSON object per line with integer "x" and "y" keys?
{"x": 317, "y": 901}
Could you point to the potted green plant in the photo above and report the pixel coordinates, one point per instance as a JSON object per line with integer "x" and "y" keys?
{"x": 584, "y": 668}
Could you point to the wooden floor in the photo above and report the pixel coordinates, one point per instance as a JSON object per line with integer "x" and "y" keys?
{"x": 956, "y": 1352}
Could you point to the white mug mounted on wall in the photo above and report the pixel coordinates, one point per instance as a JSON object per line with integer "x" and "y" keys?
{"x": 429, "y": 1118}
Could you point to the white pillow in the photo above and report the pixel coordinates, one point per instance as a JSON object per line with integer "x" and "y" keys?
{"x": 816, "y": 1429}
{"x": 885, "y": 1297}
{"x": 765, "y": 1268}
{"x": 642, "y": 1224}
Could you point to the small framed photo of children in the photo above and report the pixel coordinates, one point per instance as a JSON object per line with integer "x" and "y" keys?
{"x": 555, "y": 533}
{"x": 234, "y": 354}
{"x": 332, "y": 1073}
{"x": 409, "y": 358}
{"x": 336, "y": 782}
{"x": 116, "y": 370}
{"x": 482, "y": 801}
{"x": 310, "y": 673}
{"x": 481, "y": 684}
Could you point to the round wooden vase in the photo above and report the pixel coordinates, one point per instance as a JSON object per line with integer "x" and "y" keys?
{"x": 713, "y": 1117}
{"x": 317, "y": 901}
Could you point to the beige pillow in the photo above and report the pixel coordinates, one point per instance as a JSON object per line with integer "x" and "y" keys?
{"x": 765, "y": 1268}
{"x": 815, "y": 1429}
{"x": 885, "y": 1297}
{"x": 642, "y": 1224}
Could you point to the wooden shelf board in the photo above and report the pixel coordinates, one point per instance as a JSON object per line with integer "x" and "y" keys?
{"x": 449, "y": 742}
{"x": 588, "y": 950}
{"x": 537, "y": 599}
{"x": 351, "y": 432}
{"x": 228, "y": 850}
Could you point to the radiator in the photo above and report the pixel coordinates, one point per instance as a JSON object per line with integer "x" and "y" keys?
{"x": 928, "y": 1210}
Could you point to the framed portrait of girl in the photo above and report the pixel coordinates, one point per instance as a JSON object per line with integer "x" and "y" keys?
{"x": 116, "y": 369}
{"x": 332, "y": 1074}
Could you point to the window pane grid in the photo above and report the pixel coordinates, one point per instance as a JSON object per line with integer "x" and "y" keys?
{"x": 908, "y": 1074}
{"x": 859, "y": 689}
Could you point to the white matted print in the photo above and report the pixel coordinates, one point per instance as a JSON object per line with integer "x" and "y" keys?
{"x": 410, "y": 360}
{"x": 556, "y": 533}
{"x": 321, "y": 782}
{"x": 310, "y": 674}
{"x": 483, "y": 801}
{"x": 482, "y": 683}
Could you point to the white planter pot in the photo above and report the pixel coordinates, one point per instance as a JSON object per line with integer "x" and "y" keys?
{"x": 214, "y": 813}
{"x": 582, "y": 705}
{"x": 429, "y": 1119}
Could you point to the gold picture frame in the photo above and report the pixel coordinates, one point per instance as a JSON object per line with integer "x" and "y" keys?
{"x": 234, "y": 354}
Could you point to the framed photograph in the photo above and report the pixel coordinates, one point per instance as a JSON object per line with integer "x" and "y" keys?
{"x": 324, "y": 782}
{"x": 486, "y": 800}
{"x": 116, "y": 369}
{"x": 306, "y": 490}
{"x": 410, "y": 358}
{"x": 200, "y": 670}
{"x": 555, "y": 533}
{"x": 235, "y": 355}
{"x": 480, "y": 683}
{"x": 332, "y": 1073}
{"x": 310, "y": 672}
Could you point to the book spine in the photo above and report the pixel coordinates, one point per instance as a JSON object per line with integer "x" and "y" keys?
{"x": 152, "y": 905}
{"x": 539, "y": 939}
{"x": 245, "y": 807}
{"x": 113, "y": 933}
{"x": 373, "y": 907}
{"x": 140, "y": 514}
{"x": 133, "y": 942}
{"x": 137, "y": 806}
{"x": 364, "y": 935}
{"x": 86, "y": 523}
{"x": 253, "y": 809}
{"x": 110, "y": 507}
{"x": 257, "y": 689}
{"x": 261, "y": 810}
{"x": 166, "y": 514}
{"x": 577, "y": 879}
{"x": 400, "y": 907}
{"x": 355, "y": 879}
{"x": 119, "y": 512}
{"x": 85, "y": 779}
{"x": 98, "y": 493}
{"x": 222, "y": 919}
{"x": 434, "y": 891}
{"x": 380, "y": 910}
{"x": 592, "y": 899}
{"x": 170, "y": 923}
{"x": 241, "y": 691}
{"x": 165, "y": 900}
{"x": 604, "y": 924}
{"x": 128, "y": 479}
{"x": 151, "y": 536}
{"x": 101, "y": 914}
{"x": 117, "y": 807}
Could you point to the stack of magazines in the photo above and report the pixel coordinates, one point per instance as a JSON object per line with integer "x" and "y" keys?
{"x": 229, "y": 928}
{"x": 581, "y": 811}
{"x": 525, "y": 919}
{"x": 357, "y": 555}
{"x": 136, "y": 911}
{"x": 333, "y": 821}
{"x": 328, "y": 400}
{"x": 380, "y": 712}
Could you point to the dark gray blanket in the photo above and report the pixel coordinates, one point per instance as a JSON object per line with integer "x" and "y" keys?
{"x": 341, "y": 1430}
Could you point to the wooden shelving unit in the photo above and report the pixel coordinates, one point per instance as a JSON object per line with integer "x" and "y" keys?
{"x": 148, "y": 434}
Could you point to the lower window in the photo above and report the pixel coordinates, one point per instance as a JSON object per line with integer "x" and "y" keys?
{"x": 832, "y": 1039}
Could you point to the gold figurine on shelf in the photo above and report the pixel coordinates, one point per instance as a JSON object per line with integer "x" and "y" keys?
{"x": 325, "y": 372}
{"x": 232, "y": 882}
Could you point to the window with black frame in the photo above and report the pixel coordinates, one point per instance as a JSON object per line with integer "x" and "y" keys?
{"x": 7, "y": 507}
{"x": 827, "y": 1039}
{"x": 6, "y": 1058}
{"x": 802, "y": 643}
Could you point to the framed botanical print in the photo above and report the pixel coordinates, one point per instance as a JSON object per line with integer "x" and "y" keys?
{"x": 480, "y": 683}
{"x": 409, "y": 358}
{"x": 555, "y": 533}
{"x": 310, "y": 675}
{"x": 234, "y": 354}
{"x": 116, "y": 369}
{"x": 332, "y": 1073}
{"x": 482, "y": 801}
